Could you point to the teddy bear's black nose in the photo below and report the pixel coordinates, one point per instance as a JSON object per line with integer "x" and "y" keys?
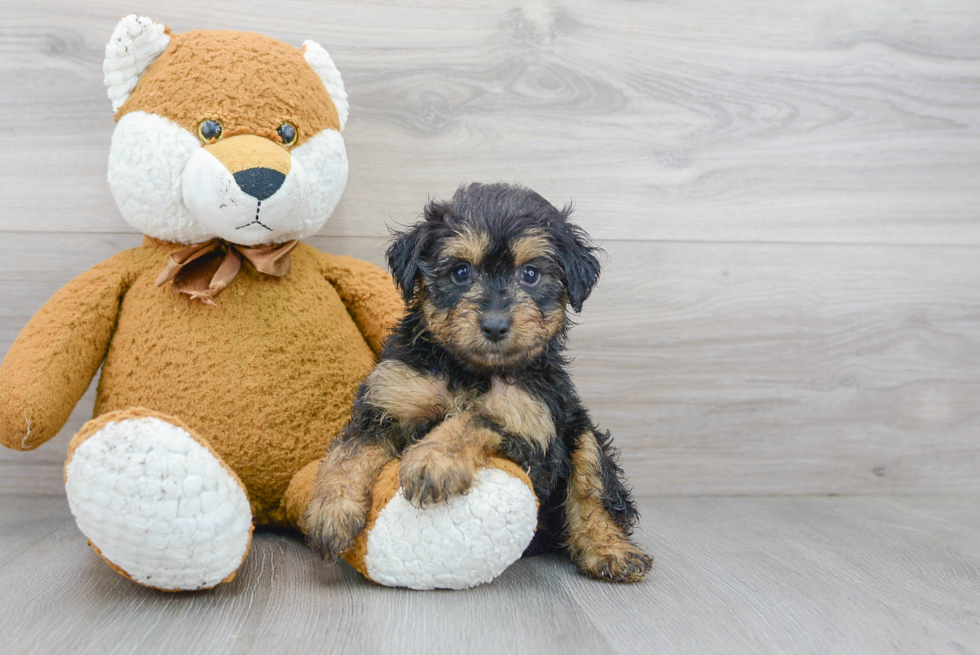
{"x": 260, "y": 183}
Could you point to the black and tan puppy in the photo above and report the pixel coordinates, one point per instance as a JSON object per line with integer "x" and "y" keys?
{"x": 477, "y": 367}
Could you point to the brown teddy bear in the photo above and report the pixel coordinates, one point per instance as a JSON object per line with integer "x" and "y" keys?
{"x": 230, "y": 352}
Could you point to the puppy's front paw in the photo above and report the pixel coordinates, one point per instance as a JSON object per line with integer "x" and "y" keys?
{"x": 332, "y": 523}
{"x": 619, "y": 561}
{"x": 430, "y": 475}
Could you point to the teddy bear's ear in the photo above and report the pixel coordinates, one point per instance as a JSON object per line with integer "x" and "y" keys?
{"x": 136, "y": 42}
{"x": 321, "y": 62}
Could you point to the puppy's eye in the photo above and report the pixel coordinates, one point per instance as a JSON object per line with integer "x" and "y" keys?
{"x": 208, "y": 130}
{"x": 288, "y": 134}
{"x": 460, "y": 274}
{"x": 530, "y": 276}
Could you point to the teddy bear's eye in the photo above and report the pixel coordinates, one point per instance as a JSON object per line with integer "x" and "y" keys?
{"x": 288, "y": 134}
{"x": 208, "y": 130}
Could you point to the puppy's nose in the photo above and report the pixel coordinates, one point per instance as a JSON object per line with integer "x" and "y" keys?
{"x": 260, "y": 183}
{"x": 495, "y": 326}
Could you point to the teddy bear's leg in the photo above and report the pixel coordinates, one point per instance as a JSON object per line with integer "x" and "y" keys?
{"x": 156, "y": 502}
{"x": 459, "y": 543}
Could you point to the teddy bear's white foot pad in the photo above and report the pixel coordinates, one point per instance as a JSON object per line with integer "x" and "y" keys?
{"x": 459, "y": 544}
{"x": 158, "y": 505}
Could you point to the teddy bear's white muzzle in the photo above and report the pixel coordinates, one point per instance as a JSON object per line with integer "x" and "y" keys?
{"x": 253, "y": 206}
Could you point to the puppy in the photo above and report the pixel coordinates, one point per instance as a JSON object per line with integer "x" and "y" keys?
{"x": 477, "y": 367}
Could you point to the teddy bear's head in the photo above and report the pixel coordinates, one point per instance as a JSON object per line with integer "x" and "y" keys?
{"x": 223, "y": 134}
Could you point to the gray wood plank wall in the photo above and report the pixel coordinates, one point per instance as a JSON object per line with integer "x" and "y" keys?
{"x": 789, "y": 194}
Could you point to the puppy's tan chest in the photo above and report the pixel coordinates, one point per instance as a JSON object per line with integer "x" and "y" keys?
{"x": 414, "y": 397}
{"x": 517, "y": 412}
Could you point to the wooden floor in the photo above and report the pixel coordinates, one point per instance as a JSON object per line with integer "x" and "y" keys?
{"x": 733, "y": 575}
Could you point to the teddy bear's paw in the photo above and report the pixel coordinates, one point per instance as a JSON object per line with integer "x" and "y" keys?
{"x": 429, "y": 475}
{"x": 465, "y": 541}
{"x": 158, "y": 505}
{"x": 618, "y": 561}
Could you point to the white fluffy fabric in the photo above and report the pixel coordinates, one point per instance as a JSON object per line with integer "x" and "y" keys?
{"x": 135, "y": 43}
{"x": 322, "y": 63}
{"x": 149, "y": 161}
{"x": 146, "y": 166}
{"x": 159, "y": 505}
{"x": 324, "y": 158}
{"x": 455, "y": 545}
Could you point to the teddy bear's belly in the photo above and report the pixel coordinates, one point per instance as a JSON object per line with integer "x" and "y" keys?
{"x": 267, "y": 376}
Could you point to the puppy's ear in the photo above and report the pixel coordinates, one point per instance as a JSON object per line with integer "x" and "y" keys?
{"x": 577, "y": 257}
{"x": 436, "y": 211}
{"x": 406, "y": 250}
{"x": 403, "y": 261}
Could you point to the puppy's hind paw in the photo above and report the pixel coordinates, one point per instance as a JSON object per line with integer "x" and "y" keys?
{"x": 332, "y": 524}
{"x": 620, "y": 562}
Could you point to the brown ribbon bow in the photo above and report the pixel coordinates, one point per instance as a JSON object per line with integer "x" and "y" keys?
{"x": 204, "y": 270}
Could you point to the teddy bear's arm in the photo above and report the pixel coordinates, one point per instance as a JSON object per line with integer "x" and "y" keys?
{"x": 369, "y": 294}
{"x": 55, "y": 356}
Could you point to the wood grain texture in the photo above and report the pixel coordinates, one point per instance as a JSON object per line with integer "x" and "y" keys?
{"x": 734, "y": 575}
{"x": 787, "y": 194}
{"x": 679, "y": 120}
{"x": 719, "y": 368}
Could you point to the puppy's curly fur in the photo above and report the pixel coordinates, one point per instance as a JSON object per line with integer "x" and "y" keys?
{"x": 477, "y": 367}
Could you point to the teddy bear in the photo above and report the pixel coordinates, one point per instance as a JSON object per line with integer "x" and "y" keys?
{"x": 229, "y": 350}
